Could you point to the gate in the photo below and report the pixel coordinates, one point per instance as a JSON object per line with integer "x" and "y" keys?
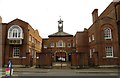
{"x": 44, "y": 60}
{"x": 79, "y": 60}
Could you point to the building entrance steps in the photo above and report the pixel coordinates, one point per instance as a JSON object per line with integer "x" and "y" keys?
{"x": 62, "y": 65}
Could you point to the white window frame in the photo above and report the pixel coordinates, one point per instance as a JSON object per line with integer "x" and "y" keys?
{"x": 107, "y": 33}
{"x": 30, "y": 38}
{"x": 60, "y": 43}
{"x": 16, "y": 55}
{"x": 45, "y": 46}
{"x": 93, "y": 50}
{"x": 15, "y": 32}
{"x": 93, "y": 37}
{"x": 73, "y": 44}
{"x": 89, "y": 39}
{"x": 109, "y": 51}
{"x": 33, "y": 40}
{"x": 52, "y": 44}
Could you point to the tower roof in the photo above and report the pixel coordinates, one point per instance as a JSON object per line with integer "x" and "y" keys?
{"x": 60, "y": 34}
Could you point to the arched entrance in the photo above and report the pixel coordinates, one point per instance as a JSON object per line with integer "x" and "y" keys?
{"x": 60, "y": 56}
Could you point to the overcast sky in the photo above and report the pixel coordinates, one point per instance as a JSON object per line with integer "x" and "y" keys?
{"x": 44, "y": 14}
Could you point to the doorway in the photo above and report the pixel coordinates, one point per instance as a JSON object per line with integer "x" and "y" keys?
{"x": 60, "y": 57}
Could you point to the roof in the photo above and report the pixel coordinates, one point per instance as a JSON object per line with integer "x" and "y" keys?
{"x": 60, "y": 34}
{"x": 18, "y": 20}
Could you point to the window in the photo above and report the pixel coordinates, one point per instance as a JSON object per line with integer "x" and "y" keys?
{"x": 16, "y": 52}
{"x": 45, "y": 46}
{"x": 73, "y": 44}
{"x": 35, "y": 54}
{"x": 69, "y": 45}
{"x": 93, "y": 38}
{"x": 109, "y": 51}
{"x": 33, "y": 39}
{"x": 51, "y": 44}
{"x": 90, "y": 53}
{"x": 60, "y": 44}
{"x": 40, "y": 44}
{"x": 32, "y": 53}
{"x": 14, "y": 32}
{"x": 93, "y": 49}
{"x": 89, "y": 39}
{"x": 30, "y": 37}
{"x": 107, "y": 33}
{"x": 29, "y": 50}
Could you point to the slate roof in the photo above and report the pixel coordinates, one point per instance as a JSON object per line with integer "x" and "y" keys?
{"x": 57, "y": 34}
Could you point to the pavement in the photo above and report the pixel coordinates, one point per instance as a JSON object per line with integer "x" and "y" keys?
{"x": 39, "y": 71}
{"x": 104, "y": 70}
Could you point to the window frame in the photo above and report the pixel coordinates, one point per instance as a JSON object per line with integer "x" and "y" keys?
{"x": 52, "y": 44}
{"x": 15, "y": 32}
{"x": 16, "y": 55}
{"x": 90, "y": 39}
{"x": 109, "y": 49}
{"x": 107, "y": 33}
{"x": 93, "y": 37}
{"x": 60, "y": 43}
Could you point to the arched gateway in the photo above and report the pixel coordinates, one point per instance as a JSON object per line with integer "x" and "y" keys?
{"x": 60, "y": 56}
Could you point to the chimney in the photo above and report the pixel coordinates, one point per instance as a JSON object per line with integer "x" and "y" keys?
{"x": 95, "y": 15}
{"x": 0, "y": 19}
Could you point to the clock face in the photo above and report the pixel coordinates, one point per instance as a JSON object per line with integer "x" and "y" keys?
{"x": 60, "y": 25}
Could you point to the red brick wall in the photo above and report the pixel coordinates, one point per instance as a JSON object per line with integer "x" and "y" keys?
{"x": 24, "y": 48}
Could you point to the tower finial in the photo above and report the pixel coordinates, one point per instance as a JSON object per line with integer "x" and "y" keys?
{"x": 60, "y": 25}
{"x": 60, "y": 17}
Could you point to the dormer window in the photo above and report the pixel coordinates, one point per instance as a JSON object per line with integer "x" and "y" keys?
{"x": 15, "y": 32}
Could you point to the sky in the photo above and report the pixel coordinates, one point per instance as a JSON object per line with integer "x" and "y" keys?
{"x": 44, "y": 14}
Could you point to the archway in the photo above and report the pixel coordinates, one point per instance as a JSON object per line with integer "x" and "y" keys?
{"x": 60, "y": 56}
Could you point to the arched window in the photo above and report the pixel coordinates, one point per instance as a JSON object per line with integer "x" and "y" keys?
{"x": 15, "y": 32}
{"x": 107, "y": 33}
{"x": 60, "y": 43}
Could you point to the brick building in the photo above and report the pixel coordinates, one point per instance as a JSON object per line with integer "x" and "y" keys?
{"x": 20, "y": 43}
{"x": 59, "y": 44}
{"x": 99, "y": 45}
{"x": 101, "y": 40}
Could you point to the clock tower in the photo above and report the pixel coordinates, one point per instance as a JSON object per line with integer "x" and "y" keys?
{"x": 60, "y": 25}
